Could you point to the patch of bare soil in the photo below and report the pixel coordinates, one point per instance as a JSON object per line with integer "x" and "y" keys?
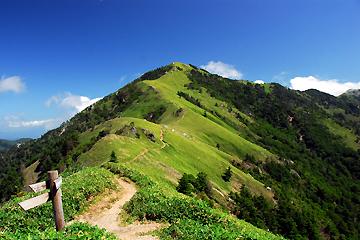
{"x": 106, "y": 214}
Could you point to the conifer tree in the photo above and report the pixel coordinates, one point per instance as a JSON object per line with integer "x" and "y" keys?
{"x": 227, "y": 175}
{"x": 113, "y": 157}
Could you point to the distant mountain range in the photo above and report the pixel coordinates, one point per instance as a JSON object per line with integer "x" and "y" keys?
{"x": 7, "y": 144}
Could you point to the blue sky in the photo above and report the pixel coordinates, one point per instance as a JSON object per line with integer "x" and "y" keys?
{"x": 58, "y": 56}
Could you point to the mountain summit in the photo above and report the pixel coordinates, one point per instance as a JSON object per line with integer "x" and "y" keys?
{"x": 353, "y": 92}
{"x": 280, "y": 159}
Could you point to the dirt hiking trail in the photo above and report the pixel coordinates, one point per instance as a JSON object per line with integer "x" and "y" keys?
{"x": 164, "y": 144}
{"x": 105, "y": 214}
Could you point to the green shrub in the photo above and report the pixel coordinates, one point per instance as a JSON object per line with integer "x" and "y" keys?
{"x": 186, "y": 184}
{"x": 189, "y": 184}
{"x": 74, "y": 231}
{"x": 190, "y": 229}
{"x": 119, "y": 169}
{"x": 160, "y": 207}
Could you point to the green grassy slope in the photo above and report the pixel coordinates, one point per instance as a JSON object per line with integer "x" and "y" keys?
{"x": 189, "y": 139}
{"x": 180, "y": 119}
{"x": 166, "y": 161}
{"x": 196, "y": 129}
{"x": 346, "y": 135}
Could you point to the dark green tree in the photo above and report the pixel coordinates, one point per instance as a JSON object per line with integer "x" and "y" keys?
{"x": 202, "y": 184}
{"x": 113, "y": 157}
{"x": 250, "y": 158}
{"x": 186, "y": 184}
{"x": 227, "y": 175}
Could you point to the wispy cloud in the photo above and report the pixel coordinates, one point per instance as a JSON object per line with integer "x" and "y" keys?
{"x": 223, "y": 69}
{"x": 330, "y": 86}
{"x": 12, "y": 84}
{"x": 18, "y": 122}
{"x": 68, "y": 103}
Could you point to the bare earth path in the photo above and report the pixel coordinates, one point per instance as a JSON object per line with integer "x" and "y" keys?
{"x": 162, "y": 139}
{"x": 105, "y": 214}
{"x": 145, "y": 151}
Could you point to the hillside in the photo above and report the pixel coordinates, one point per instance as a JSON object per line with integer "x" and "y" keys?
{"x": 7, "y": 144}
{"x": 294, "y": 156}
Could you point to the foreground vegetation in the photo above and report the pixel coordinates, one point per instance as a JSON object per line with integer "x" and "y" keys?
{"x": 74, "y": 231}
{"x": 38, "y": 223}
{"x": 189, "y": 218}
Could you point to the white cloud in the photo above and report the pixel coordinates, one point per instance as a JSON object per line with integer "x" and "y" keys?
{"x": 71, "y": 102}
{"x": 222, "y": 69}
{"x": 34, "y": 123}
{"x": 12, "y": 84}
{"x": 17, "y": 122}
{"x": 78, "y": 102}
{"x": 330, "y": 86}
{"x": 259, "y": 81}
{"x": 68, "y": 105}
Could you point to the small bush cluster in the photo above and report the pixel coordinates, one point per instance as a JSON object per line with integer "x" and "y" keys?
{"x": 155, "y": 115}
{"x": 189, "y": 184}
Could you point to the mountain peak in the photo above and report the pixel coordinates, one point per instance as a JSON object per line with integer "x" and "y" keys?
{"x": 174, "y": 66}
{"x": 352, "y": 92}
{"x": 179, "y": 64}
{"x": 183, "y": 66}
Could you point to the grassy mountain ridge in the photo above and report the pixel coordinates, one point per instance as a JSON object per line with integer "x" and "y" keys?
{"x": 297, "y": 150}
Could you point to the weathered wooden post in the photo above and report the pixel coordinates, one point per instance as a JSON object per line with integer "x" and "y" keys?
{"x": 55, "y": 196}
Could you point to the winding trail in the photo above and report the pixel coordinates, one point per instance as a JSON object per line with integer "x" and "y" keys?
{"x": 162, "y": 139}
{"x": 105, "y": 214}
{"x": 143, "y": 152}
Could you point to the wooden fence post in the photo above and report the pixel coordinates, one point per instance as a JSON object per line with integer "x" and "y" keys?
{"x": 55, "y": 196}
